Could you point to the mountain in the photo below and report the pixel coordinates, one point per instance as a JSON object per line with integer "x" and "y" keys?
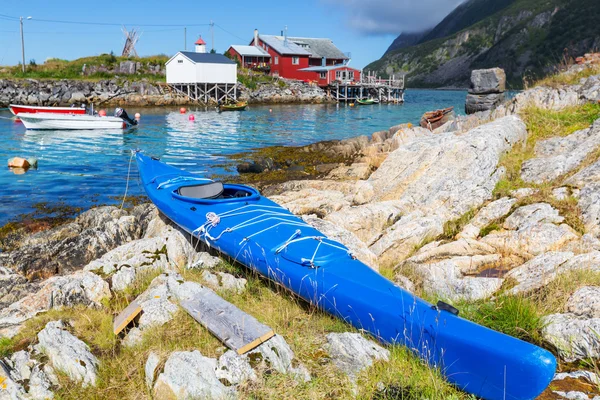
{"x": 406, "y": 40}
{"x": 527, "y": 38}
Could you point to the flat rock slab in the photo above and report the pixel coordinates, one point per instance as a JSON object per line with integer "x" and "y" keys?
{"x": 239, "y": 331}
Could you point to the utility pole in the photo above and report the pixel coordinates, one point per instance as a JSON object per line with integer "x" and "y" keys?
{"x": 212, "y": 34}
{"x": 184, "y": 38}
{"x": 22, "y": 44}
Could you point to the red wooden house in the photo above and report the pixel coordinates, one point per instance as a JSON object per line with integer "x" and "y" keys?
{"x": 308, "y": 59}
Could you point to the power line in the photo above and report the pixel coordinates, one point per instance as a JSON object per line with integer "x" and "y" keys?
{"x": 97, "y": 23}
{"x": 226, "y": 31}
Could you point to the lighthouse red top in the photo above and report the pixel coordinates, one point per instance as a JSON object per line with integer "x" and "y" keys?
{"x": 200, "y": 41}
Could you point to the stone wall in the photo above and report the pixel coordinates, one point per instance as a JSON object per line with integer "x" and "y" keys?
{"x": 141, "y": 93}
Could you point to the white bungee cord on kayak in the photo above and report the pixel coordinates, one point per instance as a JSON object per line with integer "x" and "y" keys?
{"x": 213, "y": 219}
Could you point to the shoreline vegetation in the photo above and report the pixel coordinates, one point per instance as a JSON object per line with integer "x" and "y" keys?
{"x": 523, "y": 259}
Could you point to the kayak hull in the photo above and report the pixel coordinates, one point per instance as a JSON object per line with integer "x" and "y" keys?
{"x": 267, "y": 238}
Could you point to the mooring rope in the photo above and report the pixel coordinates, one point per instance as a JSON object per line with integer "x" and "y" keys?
{"x": 127, "y": 184}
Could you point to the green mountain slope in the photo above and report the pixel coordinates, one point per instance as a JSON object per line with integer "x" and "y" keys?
{"x": 526, "y": 37}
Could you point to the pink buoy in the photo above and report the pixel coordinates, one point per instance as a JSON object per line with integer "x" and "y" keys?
{"x": 191, "y": 117}
{"x": 138, "y": 115}
{"x": 102, "y": 113}
{"x": 182, "y": 110}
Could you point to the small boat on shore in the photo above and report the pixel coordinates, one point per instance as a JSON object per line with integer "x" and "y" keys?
{"x": 366, "y": 102}
{"x": 46, "y": 121}
{"x": 434, "y": 119}
{"x": 267, "y": 238}
{"x": 240, "y": 106}
{"x": 17, "y": 109}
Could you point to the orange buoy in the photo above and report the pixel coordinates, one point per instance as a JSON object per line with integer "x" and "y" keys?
{"x": 138, "y": 115}
{"x": 102, "y": 113}
{"x": 182, "y": 110}
{"x": 191, "y": 117}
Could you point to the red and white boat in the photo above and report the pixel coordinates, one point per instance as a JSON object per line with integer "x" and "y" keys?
{"x": 17, "y": 109}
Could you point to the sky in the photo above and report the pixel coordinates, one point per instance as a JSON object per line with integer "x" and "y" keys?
{"x": 365, "y": 28}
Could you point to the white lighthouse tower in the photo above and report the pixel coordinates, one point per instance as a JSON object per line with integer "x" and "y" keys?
{"x": 200, "y": 45}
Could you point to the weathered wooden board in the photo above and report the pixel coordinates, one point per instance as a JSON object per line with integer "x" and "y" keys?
{"x": 126, "y": 316}
{"x": 239, "y": 331}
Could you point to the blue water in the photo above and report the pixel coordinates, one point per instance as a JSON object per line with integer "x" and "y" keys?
{"x": 85, "y": 168}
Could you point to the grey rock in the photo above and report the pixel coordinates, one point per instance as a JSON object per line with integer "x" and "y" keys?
{"x": 40, "y": 385}
{"x": 561, "y": 193}
{"x": 538, "y": 271}
{"x": 310, "y": 201}
{"x": 532, "y": 214}
{"x": 80, "y": 287}
{"x": 559, "y": 155}
{"x": 205, "y": 260}
{"x": 590, "y": 90}
{"x": 581, "y": 374}
{"x": 484, "y": 81}
{"x": 443, "y": 175}
{"x": 531, "y": 240}
{"x": 190, "y": 375}
{"x": 133, "y": 338}
{"x": 585, "y": 302}
{"x": 352, "y": 353}
{"x": 156, "y": 312}
{"x": 483, "y": 102}
{"x": 575, "y": 338}
{"x": 277, "y": 354}
{"x": 67, "y": 353}
{"x": 150, "y": 368}
{"x": 93, "y": 233}
{"x": 410, "y": 231}
{"x": 20, "y": 364}
{"x": 234, "y": 368}
{"x": 523, "y": 192}
{"x": 493, "y": 211}
{"x": 11, "y": 389}
{"x": 571, "y": 395}
{"x": 123, "y": 278}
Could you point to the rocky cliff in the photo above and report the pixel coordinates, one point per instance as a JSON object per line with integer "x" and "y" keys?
{"x": 525, "y": 38}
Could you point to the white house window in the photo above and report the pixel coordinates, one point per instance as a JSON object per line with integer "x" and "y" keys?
{"x": 337, "y": 74}
{"x": 276, "y": 60}
{"x": 179, "y": 61}
{"x": 323, "y": 75}
{"x": 351, "y": 75}
{"x": 295, "y": 60}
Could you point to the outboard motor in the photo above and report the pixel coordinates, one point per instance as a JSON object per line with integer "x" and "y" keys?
{"x": 119, "y": 112}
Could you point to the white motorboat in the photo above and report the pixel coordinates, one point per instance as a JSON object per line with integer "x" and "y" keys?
{"x": 72, "y": 121}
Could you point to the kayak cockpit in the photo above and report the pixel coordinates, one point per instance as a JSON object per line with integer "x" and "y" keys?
{"x": 214, "y": 192}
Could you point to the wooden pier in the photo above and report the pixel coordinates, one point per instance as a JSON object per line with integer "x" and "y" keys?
{"x": 207, "y": 92}
{"x": 389, "y": 90}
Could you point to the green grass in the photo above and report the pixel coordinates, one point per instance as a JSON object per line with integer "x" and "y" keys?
{"x": 455, "y": 226}
{"x": 55, "y": 68}
{"x": 121, "y": 370}
{"x": 541, "y": 124}
{"x": 252, "y": 79}
{"x": 517, "y": 316}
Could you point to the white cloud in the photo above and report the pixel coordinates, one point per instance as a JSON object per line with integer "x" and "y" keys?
{"x": 377, "y": 17}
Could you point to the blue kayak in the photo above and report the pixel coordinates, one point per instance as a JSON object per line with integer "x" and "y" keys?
{"x": 265, "y": 237}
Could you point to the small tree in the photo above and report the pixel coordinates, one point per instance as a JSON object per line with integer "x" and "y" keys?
{"x": 32, "y": 62}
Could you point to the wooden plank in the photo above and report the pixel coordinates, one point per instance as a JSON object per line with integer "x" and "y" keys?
{"x": 239, "y": 331}
{"x": 126, "y": 316}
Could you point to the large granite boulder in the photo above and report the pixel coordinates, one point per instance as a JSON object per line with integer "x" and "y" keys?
{"x": 484, "y": 81}
{"x": 486, "y": 91}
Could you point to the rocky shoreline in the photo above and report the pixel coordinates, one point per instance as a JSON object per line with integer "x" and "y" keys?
{"x": 444, "y": 214}
{"x": 140, "y": 93}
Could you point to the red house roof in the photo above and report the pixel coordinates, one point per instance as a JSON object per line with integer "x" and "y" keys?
{"x": 200, "y": 41}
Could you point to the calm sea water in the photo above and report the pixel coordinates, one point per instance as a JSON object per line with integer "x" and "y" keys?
{"x": 85, "y": 168}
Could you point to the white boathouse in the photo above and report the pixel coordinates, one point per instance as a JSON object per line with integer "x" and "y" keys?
{"x": 202, "y": 76}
